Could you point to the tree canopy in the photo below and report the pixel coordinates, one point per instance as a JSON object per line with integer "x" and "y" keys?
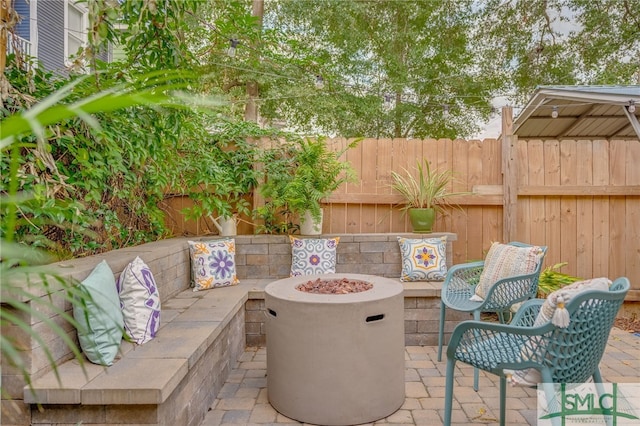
{"x": 412, "y": 68}
{"x": 417, "y": 68}
{"x": 556, "y": 42}
{"x": 350, "y": 68}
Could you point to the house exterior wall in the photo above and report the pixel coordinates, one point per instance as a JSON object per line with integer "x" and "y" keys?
{"x": 23, "y": 28}
{"x": 42, "y": 23}
{"x": 51, "y": 35}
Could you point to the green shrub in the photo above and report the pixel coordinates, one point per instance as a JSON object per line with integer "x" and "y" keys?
{"x": 552, "y": 279}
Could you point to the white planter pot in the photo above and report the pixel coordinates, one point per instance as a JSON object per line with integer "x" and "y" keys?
{"x": 308, "y": 226}
{"x": 226, "y": 227}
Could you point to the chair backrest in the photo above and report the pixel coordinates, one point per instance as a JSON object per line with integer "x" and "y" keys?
{"x": 540, "y": 262}
{"x": 527, "y": 287}
{"x": 536, "y": 273}
{"x": 574, "y": 352}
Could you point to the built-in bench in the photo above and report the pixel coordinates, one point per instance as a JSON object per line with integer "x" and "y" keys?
{"x": 174, "y": 378}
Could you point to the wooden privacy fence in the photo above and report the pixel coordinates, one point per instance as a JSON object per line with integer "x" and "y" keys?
{"x": 580, "y": 198}
{"x": 369, "y": 205}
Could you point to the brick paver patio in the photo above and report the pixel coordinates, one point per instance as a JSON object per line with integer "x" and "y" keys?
{"x": 243, "y": 399}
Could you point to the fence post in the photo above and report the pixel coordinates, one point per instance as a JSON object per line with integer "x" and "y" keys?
{"x": 509, "y": 175}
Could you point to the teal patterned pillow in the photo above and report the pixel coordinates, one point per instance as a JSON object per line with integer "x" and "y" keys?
{"x": 213, "y": 263}
{"x": 313, "y": 255}
{"x": 423, "y": 259}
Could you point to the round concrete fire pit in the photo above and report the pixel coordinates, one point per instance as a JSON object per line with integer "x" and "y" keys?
{"x": 335, "y": 359}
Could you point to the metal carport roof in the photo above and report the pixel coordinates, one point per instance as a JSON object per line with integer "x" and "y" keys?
{"x": 583, "y": 112}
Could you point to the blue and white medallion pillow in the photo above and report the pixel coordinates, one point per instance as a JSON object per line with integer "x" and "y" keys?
{"x": 213, "y": 263}
{"x": 313, "y": 255}
{"x": 423, "y": 259}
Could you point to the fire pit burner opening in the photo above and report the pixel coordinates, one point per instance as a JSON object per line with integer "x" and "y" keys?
{"x": 334, "y": 286}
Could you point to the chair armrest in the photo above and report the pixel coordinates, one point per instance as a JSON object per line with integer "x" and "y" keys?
{"x": 461, "y": 267}
{"x": 620, "y": 284}
{"x": 508, "y": 291}
{"x": 460, "y": 282}
{"x": 463, "y": 275}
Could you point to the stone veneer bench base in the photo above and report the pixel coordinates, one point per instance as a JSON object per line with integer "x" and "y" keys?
{"x": 174, "y": 378}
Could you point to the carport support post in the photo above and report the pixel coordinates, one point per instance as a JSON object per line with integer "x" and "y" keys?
{"x": 509, "y": 176}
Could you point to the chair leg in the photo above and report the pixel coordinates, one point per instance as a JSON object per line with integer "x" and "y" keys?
{"x": 476, "y": 379}
{"x": 552, "y": 403}
{"x": 597, "y": 377}
{"x": 597, "y": 380}
{"x": 503, "y": 400}
{"x": 441, "y": 330}
{"x": 505, "y": 317}
{"x": 448, "y": 392}
{"x": 476, "y": 372}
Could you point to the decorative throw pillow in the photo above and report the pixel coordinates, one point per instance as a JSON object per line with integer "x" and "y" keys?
{"x": 553, "y": 310}
{"x": 423, "y": 259}
{"x": 553, "y": 307}
{"x": 503, "y": 261}
{"x": 213, "y": 263}
{"x": 98, "y": 314}
{"x": 140, "y": 301}
{"x": 313, "y": 255}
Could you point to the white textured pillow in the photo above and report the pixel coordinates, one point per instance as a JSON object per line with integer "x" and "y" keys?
{"x": 504, "y": 261}
{"x": 140, "y": 301}
{"x": 550, "y": 305}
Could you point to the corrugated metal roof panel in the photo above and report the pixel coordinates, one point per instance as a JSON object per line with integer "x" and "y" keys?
{"x": 583, "y": 112}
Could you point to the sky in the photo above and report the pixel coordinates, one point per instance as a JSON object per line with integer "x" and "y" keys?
{"x": 493, "y": 127}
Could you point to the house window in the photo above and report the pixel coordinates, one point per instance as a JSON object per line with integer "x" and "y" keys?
{"x": 75, "y": 28}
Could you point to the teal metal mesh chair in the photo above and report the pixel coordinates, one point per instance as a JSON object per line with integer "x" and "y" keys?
{"x": 561, "y": 355}
{"x": 460, "y": 284}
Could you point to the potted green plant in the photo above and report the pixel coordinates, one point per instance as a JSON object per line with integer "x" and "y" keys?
{"x": 425, "y": 195}
{"x": 298, "y": 178}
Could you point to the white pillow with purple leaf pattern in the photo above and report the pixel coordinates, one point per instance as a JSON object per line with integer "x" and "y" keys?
{"x": 140, "y": 301}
